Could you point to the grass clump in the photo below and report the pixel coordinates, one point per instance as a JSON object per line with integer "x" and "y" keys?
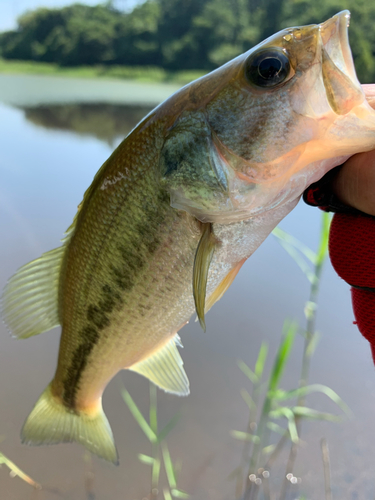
{"x": 160, "y": 452}
{"x": 274, "y": 411}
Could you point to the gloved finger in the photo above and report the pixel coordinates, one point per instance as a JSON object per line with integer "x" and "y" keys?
{"x": 351, "y": 249}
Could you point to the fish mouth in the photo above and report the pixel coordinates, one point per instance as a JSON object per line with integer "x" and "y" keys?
{"x": 335, "y": 39}
{"x": 339, "y": 76}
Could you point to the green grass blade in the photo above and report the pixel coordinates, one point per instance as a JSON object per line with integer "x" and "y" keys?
{"x": 167, "y": 429}
{"x": 282, "y": 355}
{"x": 156, "y": 472}
{"x": 309, "y": 413}
{"x": 268, "y": 449}
{"x": 293, "y": 430}
{"x": 153, "y": 409}
{"x": 179, "y": 493}
{"x": 309, "y": 389}
{"x": 141, "y": 421}
{"x": 276, "y": 428}
{"x": 167, "y": 495}
{"x": 261, "y": 360}
{"x": 299, "y": 260}
{"x": 244, "y": 436}
{"x": 312, "y": 344}
{"x": 169, "y": 469}
{"x": 291, "y": 240}
{"x": 248, "y": 399}
{"x": 16, "y": 471}
{"x": 248, "y": 372}
{"x": 289, "y": 414}
{"x": 145, "y": 459}
{"x": 282, "y": 411}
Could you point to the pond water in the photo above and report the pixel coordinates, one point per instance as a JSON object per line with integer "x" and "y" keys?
{"x": 49, "y": 153}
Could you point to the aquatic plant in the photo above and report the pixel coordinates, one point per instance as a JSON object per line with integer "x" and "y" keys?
{"x": 16, "y": 471}
{"x": 160, "y": 451}
{"x": 267, "y": 402}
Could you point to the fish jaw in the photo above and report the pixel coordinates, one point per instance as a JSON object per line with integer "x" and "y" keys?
{"x": 336, "y": 48}
{"x": 265, "y": 146}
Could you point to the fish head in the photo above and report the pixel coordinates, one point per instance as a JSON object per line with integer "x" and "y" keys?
{"x": 256, "y": 132}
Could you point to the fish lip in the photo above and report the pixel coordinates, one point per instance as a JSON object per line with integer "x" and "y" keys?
{"x": 335, "y": 40}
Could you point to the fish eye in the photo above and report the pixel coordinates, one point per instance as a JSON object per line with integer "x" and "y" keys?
{"x": 267, "y": 68}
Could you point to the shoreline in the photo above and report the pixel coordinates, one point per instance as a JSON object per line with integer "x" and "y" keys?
{"x": 30, "y": 90}
{"x": 144, "y": 74}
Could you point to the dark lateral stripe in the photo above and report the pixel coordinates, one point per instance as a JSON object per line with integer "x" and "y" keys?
{"x": 122, "y": 276}
{"x": 78, "y": 364}
{"x": 97, "y": 315}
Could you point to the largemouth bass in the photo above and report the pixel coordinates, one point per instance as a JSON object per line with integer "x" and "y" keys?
{"x": 173, "y": 214}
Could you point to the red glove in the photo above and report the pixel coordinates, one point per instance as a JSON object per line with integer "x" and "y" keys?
{"x": 352, "y": 251}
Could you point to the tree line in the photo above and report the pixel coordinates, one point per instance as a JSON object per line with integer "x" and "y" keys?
{"x": 176, "y": 34}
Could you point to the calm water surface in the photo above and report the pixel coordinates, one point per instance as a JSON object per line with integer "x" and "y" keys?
{"x": 48, "y": 156}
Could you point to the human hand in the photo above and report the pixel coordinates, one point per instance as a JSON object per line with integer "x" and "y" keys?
{"x": 354, "y": 185}
{"x": 352, "y": 235}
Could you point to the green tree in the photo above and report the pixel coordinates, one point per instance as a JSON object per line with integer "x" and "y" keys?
{"x": 177, "y": 34}
{"x": 179, "y": 44}
{"x": 228, "y": 27}
{"x": 136, "y": 41}
{"x": 73, "y": 35}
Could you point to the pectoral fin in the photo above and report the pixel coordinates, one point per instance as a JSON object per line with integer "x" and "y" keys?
{"x": 224, "y": 285}
{"x": 165, "y": 369}
{"x": 203, "y": 257}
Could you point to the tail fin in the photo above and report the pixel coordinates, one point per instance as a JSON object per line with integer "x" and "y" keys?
{"x": 50, "y": 422}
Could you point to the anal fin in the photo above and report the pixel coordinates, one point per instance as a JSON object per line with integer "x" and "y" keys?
{"x": 165, "y": 369}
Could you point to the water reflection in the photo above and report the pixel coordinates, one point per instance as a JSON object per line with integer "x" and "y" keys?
{"x": 106, "y": 122}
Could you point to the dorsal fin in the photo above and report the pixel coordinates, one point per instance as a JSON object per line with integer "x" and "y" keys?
{"x": 165, "y": 369}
